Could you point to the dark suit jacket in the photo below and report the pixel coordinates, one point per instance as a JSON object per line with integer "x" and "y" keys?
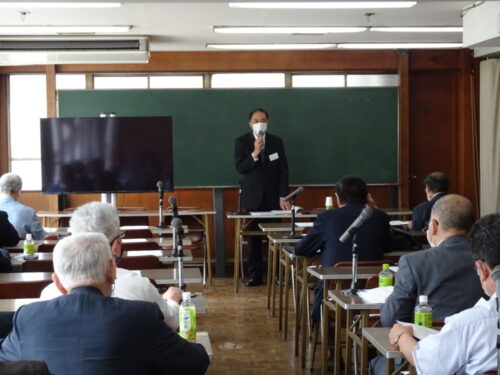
{"x": 84, "y": 333}
{"x": 8, "y": 234}
{"x": 263, "y": 180}
{"x": 446, "y": 274}
{"x": 421, "y": 214}
{"x": 373, "y": 237}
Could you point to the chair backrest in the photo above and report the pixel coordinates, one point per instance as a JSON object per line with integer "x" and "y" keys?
{"x": 138, "y": 233}
{"x": 37, "y": 266}
{"x": 371, "y": 282}
{"x": 141, "y": 246}
{"x": 23, "y": 289}
{"x": 24, "y": 368}
{"x": 146, "y": 262}
{"x": 45, "y": 248}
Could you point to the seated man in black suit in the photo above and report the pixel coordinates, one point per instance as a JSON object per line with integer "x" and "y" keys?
{"x": 373, "y": 237}
{"x": 445, "y": 273}
{"x": 86, "y": 331}
{"x": 436, "y": 187}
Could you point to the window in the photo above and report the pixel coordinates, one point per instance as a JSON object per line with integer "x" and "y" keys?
{"x": 121, "y": 82}
{"x": 318, "y": 80}
{"x": 70, "y": 81}
{"x": 241, "y": 80}
{"x": 369, "y": 80}
{"x": 176, "y": 82}
{"x": 27, "y": 105}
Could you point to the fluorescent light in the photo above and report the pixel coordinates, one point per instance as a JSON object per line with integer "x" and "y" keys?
{"x": 324, "y": 5}
{"x": 419, "y": 29}
{"x": 272, "y": 46}
{"x": 54, "y": 30}
{"x": 286, "y": 29}
{"x": 23, "y": 5}
{"x": 397, "y": 45}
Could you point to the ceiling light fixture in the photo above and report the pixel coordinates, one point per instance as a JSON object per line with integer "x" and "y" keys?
{"x": 26, "y": 5}
{"x": 286, "y": 29}
{"x": 418, "y": 29}
{"x": 276, "y": 46}
{"x": 398, "y": 45}
{"x": 55, "y": 30}
{"x": 324, "y": 5}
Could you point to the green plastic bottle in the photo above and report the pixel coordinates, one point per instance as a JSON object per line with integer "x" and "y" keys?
{"x": 29, "y": 245}
{"x": 385, "y": 277}
{"x": 423, "y": 313}
{"x": 187, "y": 318}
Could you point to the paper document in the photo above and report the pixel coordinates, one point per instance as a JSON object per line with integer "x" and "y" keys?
{"x": 304, "y": 225}
{"x": 376, "y": 295}
{"x": 287, "y": 212}
{"x": 394, "y": 269}
{"x": 398, "y": 222}
{"x": 419, "y": 332}
{"x": 261, "y": 213}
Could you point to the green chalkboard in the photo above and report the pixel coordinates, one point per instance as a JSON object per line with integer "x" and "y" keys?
{"x": 327, "y": 132}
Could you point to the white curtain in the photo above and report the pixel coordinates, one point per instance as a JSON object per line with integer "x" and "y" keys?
{"x": 489, "y": 136}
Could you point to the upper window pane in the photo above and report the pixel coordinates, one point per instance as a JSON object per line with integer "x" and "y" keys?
{"x": 70, "y": 81}
{"x": 233, "y": 80}
{"x": 365, "y": 80}
{"x": 121, "y": 82}
{"x": 28, "y": 104}
{"x": 176, "y": 82}
{"x": 318, "y": 80}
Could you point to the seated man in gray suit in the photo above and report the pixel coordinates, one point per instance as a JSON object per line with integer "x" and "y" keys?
{"x": 86, "y": 331}
{"x": 445, "y": 273}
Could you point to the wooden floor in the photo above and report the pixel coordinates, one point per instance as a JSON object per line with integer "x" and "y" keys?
{"x": 245, "y": 338}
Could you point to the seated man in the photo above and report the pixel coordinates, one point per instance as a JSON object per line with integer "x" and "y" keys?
{"x": 444, "y": 273}
{"x": 85, "y": 331}
{"x": 22, "y": 217}
{"x": 467, "y": 342}
{"x": 373, "y": 237}
{"x": 436, "y": 187}
{"x": 103, "y": 218}
{"x": 8, "y": 237}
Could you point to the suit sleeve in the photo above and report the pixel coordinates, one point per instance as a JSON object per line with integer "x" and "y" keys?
{"x": 283, "y": 177}
{"x": 400, "y": 304}
{"x": 10, "y": 347}
{"x": 8, "y": 234}
{"x": 388, "y": 234}
{"x": 244, "y": 162}
{"x": 418, "y": 219}
{"x": 174, "y": 355}
{"x": 313, "y": 242}
{"x": 35, "y": 228}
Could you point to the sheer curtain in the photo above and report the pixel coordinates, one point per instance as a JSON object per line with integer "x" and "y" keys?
{"x": 489, "y": 136}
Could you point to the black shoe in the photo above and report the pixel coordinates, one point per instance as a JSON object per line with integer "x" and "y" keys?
{"x": 253, "y": 282}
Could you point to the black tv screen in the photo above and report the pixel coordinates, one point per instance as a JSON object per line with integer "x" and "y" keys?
{"x": 106, "y": 154}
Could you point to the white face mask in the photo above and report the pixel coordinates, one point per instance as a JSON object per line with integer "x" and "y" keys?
{"x": 429, "y": 239}
{"x": 259, "y": 127}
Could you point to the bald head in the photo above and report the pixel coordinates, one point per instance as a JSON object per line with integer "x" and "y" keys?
{"x": 453, "y": 213}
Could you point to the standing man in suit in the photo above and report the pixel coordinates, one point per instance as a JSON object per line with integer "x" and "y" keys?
{"x": 260, "y": 158}
{"x": 373, "y": 237}
{"x": 445, "y": 273}
{"x": 436, "y": 187}
{"x": 85, "y": 331}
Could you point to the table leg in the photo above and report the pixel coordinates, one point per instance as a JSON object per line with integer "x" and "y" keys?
{"x": 208, "y": 248}
{"x": 348, "y": 342}
{"x": 324, "y": 330}
{"x": 365, "y": 316}
{"x": 287, "y": 292}
{"x": 390, "y": 366}
{"x": 280, "y": 287}
{"x": 237, "y": 244}
{"x": 273, "y": 277}
{"x": 304, "y": 310}
{"x": 337, "y": 340}
{"x": 298, "y": 309}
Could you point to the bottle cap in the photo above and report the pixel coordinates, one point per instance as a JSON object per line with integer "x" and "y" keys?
{"x": 29, "y": 236}
{"x": 385, "y": 266}
{"x": 186, "y": 296}
{"x": 423, "y": 299}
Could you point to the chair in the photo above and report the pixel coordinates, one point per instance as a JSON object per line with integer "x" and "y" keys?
{"x": 45, "y": 248}
{"x": 23, "y": 289}
{"x": 141, "y": 246}
{"x": 37, "y": 266}
{"x": 146, "y": 262}
{"x": 24, "y": 368}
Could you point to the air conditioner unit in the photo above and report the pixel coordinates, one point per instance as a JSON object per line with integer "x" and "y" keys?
{"x": 73, "y": 50}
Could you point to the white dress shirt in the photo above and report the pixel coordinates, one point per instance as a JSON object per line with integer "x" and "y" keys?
{"x": 465, "y": 345}
{"x": 132, "y": 286}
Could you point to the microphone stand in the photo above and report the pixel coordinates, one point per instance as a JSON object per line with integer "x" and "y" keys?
{"x": 179, "y": 253}
{"x": 292, "y": 234}
{"x": 353, "y": 290}
{"x": 161, "y": 222}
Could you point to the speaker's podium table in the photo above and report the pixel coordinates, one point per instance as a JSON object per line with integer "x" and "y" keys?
{"x": 243, "y": 220}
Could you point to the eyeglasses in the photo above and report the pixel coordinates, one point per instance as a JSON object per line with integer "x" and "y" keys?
{"x": 119, "y": 237}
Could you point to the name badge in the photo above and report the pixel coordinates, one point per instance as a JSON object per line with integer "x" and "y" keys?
{"x": 273, "y": 157}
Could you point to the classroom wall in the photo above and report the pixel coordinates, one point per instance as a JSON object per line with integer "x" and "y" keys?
{"x": 436, "y": 116}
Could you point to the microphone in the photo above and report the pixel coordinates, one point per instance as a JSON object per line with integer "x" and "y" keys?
{"x": 290, "y": 196}
{"x": 261, "y": 134}
{"x": 177, "y": 225}
{"x": 159, "y": 184}
{"x": 173, "y": 204}
{"x": 365, "y": 214}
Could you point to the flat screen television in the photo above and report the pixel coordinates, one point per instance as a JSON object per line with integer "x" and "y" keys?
{"x": 106, "y": 154}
